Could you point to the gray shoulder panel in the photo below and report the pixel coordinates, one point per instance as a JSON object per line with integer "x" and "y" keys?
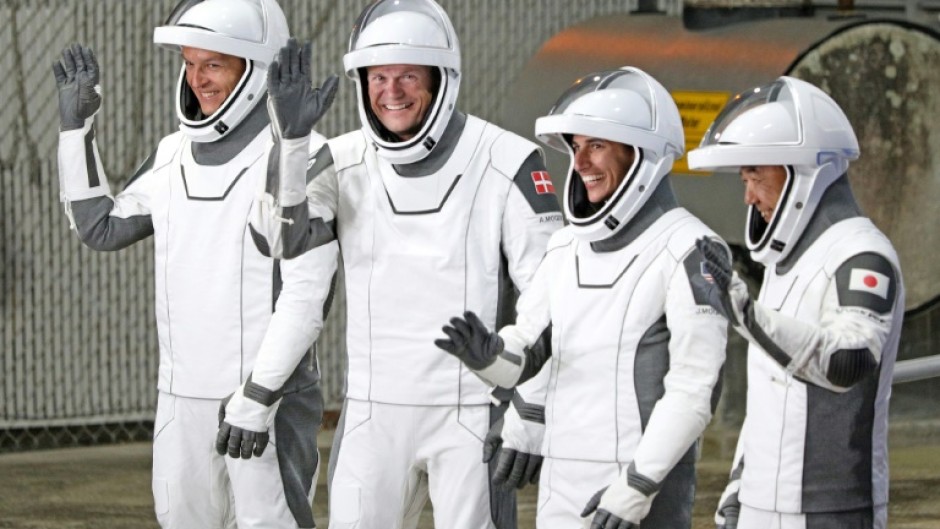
{"x": 694, "y": 264}
{"x": 536, "y": 186}
{"x": 867, "y": 280}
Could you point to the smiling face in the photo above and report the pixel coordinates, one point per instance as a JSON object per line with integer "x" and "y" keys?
{"x": 762, "y": 187}
{"x": 602, "y": 165}
{"x": 400, "y": 96}
{"x": 212, "y": 76}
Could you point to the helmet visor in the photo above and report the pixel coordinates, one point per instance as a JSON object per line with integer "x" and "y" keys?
{"x": 600, "y": 81}
{"x": 404, "y": 12}
{"x": 721, "y": 132}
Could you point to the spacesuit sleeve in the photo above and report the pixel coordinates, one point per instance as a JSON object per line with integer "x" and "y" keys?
{"x": 856, "y": 318}
{"x": 299, "y": 315}
{"x": 533, "y": 317}
{"x": 531, "y": 216}
{"x": 297, "y": 209}
{"x": 698, "y": 336}
{"x": 102, "y": 221}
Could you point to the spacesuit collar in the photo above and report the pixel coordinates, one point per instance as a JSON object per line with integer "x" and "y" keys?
{"x": 836, "y": 204}
{"x": 226, "y": 148}
{"x": 660, "y": 201}
{"x": 438, "y": 156}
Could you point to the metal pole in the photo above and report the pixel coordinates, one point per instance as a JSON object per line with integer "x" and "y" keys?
{"x": 916, "y": 369}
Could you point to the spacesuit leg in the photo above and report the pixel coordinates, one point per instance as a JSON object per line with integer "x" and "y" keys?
{"x": 276, "y": 489}
{"x": 258, "y": 490}
{"x": 190, "y": 485}
{"x": 566, "y": 486}
{"x": 672, "y": 507}
{"x": 459, "y": 480}
{"x": 298, "y": 422}
{"x": 374, "y": 481}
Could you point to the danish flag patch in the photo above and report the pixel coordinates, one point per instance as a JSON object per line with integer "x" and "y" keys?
{"x": 543, "y": 182}
{"x": 864, "y": 280}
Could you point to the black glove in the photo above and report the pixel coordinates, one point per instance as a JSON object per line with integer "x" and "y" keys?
{"x": 471, "y": 342}
{"x": 244, "y": 420}
{"x": 295, "y": 105}
{"x": 76, "y": 77}
{"x": 517, "y": 469}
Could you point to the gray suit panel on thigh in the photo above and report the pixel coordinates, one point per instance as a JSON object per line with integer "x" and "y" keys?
{"x": 502, "y": 499}
{"x": 672, "y": 507}
{"x": 296, "y": 426}
{"x": 858, "y": 519}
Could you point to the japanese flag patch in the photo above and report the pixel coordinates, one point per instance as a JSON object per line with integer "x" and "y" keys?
{"x": 543, "y": 182}
{"x": 864, "y": 280}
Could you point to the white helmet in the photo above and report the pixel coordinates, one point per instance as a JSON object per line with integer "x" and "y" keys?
{"x": 790, "y": 123}
{"x": 254, "y": 30}
{"x": 627, "y": 106}
{"x": 405, "y": 32}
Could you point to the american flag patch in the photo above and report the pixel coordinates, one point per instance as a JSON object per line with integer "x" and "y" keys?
{"x": 706, "y": 275}
{"x": 543, "y": 182}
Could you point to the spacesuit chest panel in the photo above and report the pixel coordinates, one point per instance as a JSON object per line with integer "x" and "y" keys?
{"x": 416, "y": 195}
{"x": 406, "y": 254}
{"x": 214, "y": 289}
{"x": 603, "y": 305}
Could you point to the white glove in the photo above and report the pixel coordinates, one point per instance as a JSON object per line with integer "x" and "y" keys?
{"x": 244, "y": 420}
{"x": 520, "y": 459}
{"x": 620, "y": 505}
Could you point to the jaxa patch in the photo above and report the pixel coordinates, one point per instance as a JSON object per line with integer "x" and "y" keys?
{"x": 543, "y": 182}
{"x": 868, "y": 281}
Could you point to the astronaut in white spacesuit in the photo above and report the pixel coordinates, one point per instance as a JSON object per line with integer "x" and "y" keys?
{"x": 637, "y": 352}
{"x": 231, "y": 321}
{"x": 436, "y": 212}
{"x": 824, "y": 330}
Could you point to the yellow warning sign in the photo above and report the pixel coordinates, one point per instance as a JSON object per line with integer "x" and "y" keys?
{"x": 698, "y": 111}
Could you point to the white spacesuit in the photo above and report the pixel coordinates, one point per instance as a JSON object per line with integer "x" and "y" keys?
{"x": 230, "y": 320}
{"x": 824, "y": 330}
{"x": 449, "y": 219}
{"x": 636, "y": 350}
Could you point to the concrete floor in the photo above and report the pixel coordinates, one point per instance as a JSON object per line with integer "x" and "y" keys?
{"x": 108, "y": 487}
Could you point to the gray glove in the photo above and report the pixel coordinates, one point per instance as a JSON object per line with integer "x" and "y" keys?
{"x": 729, "y": 508}
{"x": 517, "y": 469}
{"x": 471, "y": 342}
{"x": 718, "y": 264}
{"x": 76, "y": 77}
{"x": 520, "y": 461}
{"x": 244, "y": 420}
{"x": 295, "y": 106}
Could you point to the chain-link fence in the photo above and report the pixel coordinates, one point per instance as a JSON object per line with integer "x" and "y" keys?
{"x": 78, "y": 346}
